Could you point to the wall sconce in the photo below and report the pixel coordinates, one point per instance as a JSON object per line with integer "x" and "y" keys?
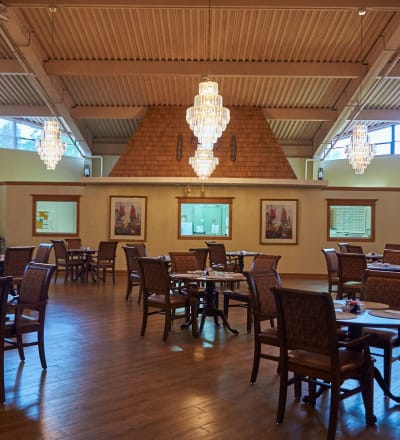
{"x": 202, "y": 191}
{"x": 233, "y": 148}
{"x": 188, "y": 189}
{"x": 179, "y": 145}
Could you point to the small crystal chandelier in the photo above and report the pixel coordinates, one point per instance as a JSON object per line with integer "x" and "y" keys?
{"x": 360, "y": 152}
{"x": 49, "y": 146}
{"x": 207, "y": 118}
{"x": 203, "y": 162}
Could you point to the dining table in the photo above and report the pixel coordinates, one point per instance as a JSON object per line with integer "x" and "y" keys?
{"x": 374, "y": 256}
{"x": 210, "y": 279}
{"x": 377, "y": 315}
{"x": 240, "y": 255}
{"x": 86, "y": 255}
{"x": 383, "y": 266}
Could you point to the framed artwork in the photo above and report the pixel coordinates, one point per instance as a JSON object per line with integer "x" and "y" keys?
{"x": 278, "y": 222}
{"x": 128, "y": 218}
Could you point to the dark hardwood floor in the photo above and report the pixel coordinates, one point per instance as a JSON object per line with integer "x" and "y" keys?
{"x": 105, "y": 381}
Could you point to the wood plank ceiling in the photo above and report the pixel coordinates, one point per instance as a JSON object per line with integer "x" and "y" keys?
{"x": 314, "y": 67}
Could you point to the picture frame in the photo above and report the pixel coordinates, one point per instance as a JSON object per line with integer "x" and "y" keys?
{"x": 278, "y": 221}
{"x": 128, "y": 216}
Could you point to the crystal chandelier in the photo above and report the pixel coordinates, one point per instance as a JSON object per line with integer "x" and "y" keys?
{"x": 203, "y": 162}
{"x": 50, "y": 147}
{"x": 207, "y": 118}
{"x": 360, "y": 152}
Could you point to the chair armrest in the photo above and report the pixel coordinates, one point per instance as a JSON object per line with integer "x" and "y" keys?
{"x": 357, "y": 342}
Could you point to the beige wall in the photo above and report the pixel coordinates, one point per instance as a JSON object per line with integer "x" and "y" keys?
{"x": 162, "y": 218}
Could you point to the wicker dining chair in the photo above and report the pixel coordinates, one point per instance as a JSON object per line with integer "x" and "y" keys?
{"x": 309, "y": 348}
{"x": 383, "y": 287}
{"x": 331, "y": 260}
{"x": 15, "y": 260}
{"x": 261, "y": 264}
{"x": 5, "y": 286}
{"x": 351, "y": 269}
{"x": 71, "y": 265}
{"x": 391, "y": 256}
{"x": 30, "y": 311}
{"x": 133, "y": 268}
{"x": 159, "y": 297}
{"x": 104, "y": 261}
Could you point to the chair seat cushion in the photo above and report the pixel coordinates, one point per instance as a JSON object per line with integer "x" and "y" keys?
{"x": 348, "y": 361}
{"x": 174, "y": 298}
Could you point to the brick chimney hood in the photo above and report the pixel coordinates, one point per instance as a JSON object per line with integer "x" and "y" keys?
{"x": 247, "y": 149}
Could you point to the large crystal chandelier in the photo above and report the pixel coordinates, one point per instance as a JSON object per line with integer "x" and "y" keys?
{"x": 49, "y": 146}
{"x": 203, "y": 162}
{"x": 207, "y": 118}
{"x": 360, "y": 152}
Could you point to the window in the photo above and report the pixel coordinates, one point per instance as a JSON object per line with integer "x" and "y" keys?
{"x": 200, "y": 217}
{"x": 55, "y": 215}
{"x": 19, "y": 136}
{"x": 353, "y": 220}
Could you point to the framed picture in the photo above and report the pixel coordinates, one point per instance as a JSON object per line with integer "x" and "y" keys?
{"x": 128, "y": 218}
{"x": 278, "y": 222}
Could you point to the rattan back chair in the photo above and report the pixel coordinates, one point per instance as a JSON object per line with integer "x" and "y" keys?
{"x": 133, "y": 269}
{"x": 201, "y": 255}
{"x": 391, "y": 256}
{"x": 30, "y": 311}
{"x": 72, "y": 266}
{"x": 104, "y": 261}
{"x": 43, "y": 253}
{"x": 383, "y": 287}
{"x": 159, "y": 297}
{"x": 15, "y": 260}
{"x": 351, "y": 269}
{"x": 309, "y": 348}
{"x": 331, "y": 260}
{"x": 5, "y": 286}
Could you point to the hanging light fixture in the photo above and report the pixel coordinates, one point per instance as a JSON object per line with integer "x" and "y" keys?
{"x": 49, "y": 146}
{"x": 207, "y": 117}
{"x": 203, "y": 162}
{"x": 360, "y": 152}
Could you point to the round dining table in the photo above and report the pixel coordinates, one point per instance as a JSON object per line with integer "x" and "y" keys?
{"x": 210, "y": 278}
{"x": 378, "y": 315}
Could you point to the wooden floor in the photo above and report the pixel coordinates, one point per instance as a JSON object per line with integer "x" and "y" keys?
{"x": 105, "y": 381}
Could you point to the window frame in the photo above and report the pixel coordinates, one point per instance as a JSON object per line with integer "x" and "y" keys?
{"x": 351, "y": 203}
{"x": 202, "y": 201}
{"x": 54, "y": 198}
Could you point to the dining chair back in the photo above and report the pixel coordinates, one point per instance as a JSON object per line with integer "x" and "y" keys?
{"x": 383, "y": 287}
{"x": 201, "y": 255}
{"x": 261, "y": 264}
{"x": 30, "y": 311}
{"x": 309, "y": 348}
{"x": 355, "y": 249}
{"x": 73, "y": 243}
{"x": 158, "y": 297}
{"x": 43, "y": 253}
{"x": 331, "y": 260}
{"x": 351, "y": 269}
{"x": 391, "y": 256}
{"x": 15, "y": 260}
{"x": 65, "y": 262}
{"x": 183, "y": 261}
{"x": 133, "y": 269}
{"x": 141, "y": 248}
{"x": 5, "y": 286}
{"x": 104, "y": 262}
{"x": 263, "y": 310}
{"x": 343, "y": 247}
{"x": 394, "y": 246}
{"x": 218, "y": 258}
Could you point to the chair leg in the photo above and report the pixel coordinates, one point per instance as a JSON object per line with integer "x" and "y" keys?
{"x": 333, "y": 411}
{"x": 226, "y": 306}
{"x": 367, "y": 384}
{"x": 128, "y": 290}
{"x": 42, "y": 355}
{"x": 256, "y": 362}
{"x": 283, "y": 384}
{"x": 140, "y": 293}
{"x": 167, "y": 324}
{"x": 144, "y": 319}
{"x": 387, "y": 365}
{"x": 20, "y": 346}
{"x": 249, "y": 318}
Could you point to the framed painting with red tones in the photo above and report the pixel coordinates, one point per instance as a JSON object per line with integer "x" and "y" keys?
{"x": 278, "y": 221}
{"x": 128, "y": 218}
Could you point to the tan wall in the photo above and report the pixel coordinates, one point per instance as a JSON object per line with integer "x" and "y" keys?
{"x": 162, "y": 226}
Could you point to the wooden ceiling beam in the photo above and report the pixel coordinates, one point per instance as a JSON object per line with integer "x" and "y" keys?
{"x": 197, "y": 68}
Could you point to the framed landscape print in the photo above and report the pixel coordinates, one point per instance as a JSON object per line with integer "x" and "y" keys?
{"x": 278, "y": 221}
{"x": 128, "y": 218}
